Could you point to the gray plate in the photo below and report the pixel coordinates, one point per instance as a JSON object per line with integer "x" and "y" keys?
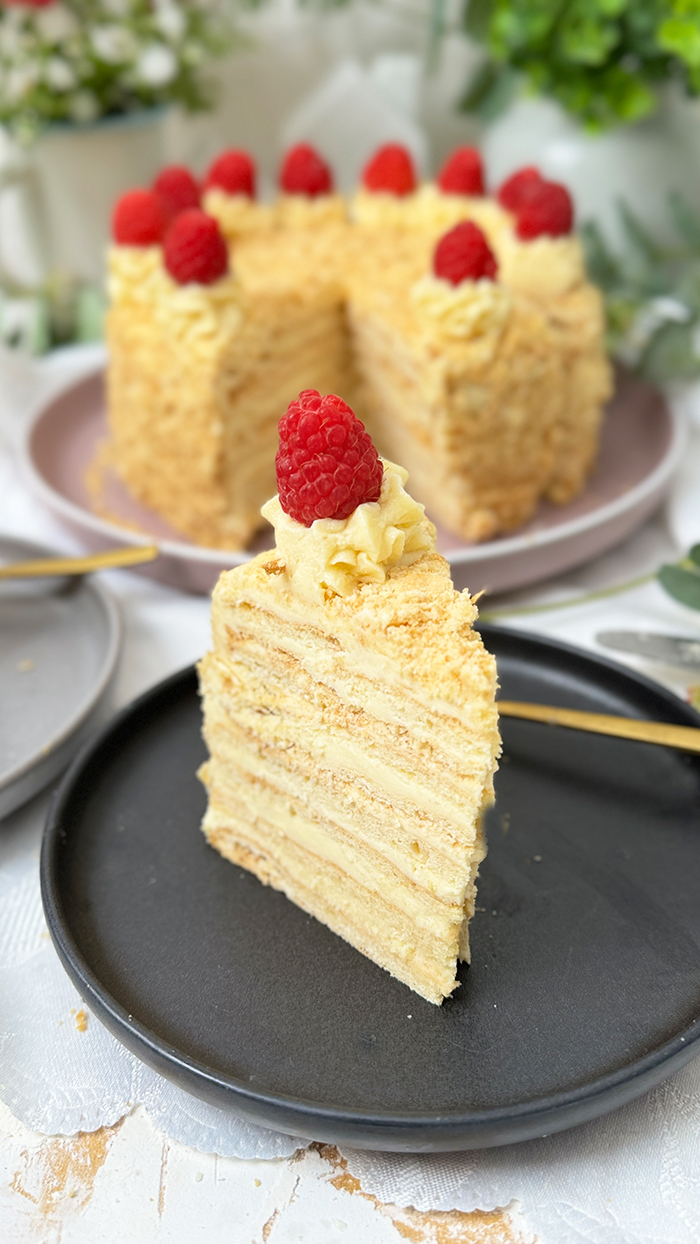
{"x": 59, "y": 644}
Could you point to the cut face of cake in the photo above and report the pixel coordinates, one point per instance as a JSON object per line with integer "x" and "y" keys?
{"x": 459, "y": 380}
{"x": 349, "y": 711}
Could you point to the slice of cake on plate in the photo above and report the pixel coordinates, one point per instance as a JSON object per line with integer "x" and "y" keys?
{"x": 349, "y": 708}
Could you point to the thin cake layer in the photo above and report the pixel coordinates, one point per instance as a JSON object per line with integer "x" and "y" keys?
{"x": 352, "y": 748}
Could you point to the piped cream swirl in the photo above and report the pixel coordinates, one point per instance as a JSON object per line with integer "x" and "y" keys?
{"x": 201, "y": 317}
{"x": 337, "y": 555}
{"x": 470, "y": 309}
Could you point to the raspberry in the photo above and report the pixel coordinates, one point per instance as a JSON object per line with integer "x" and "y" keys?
{"x": 304, "y": 172}
{"x": 462, "y": 173}
{"x": 177, "y": 190}
{"x": 390, "y": 170}
{"x": 326, "y": 462}
{"x": 547, "y": 210}
{"x": 464, "y": 254}
{"x": 519, "y": 186}
{"x": 138, "y": 219}
{"x": 234, "y": 172}
{"x": 194, "y": 249}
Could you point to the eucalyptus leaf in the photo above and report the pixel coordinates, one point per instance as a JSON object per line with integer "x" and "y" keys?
{"x": 682, "y": 585}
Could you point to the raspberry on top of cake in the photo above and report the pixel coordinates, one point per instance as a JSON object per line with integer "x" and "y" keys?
{"x": 307, "y": 196}
{"x": 387, "y": 188}
{"x": 229, "y": 193}
{"x": 349, "y": 708}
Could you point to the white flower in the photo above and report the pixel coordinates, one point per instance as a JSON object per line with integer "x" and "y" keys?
{"x": 169, "y": 19}
{"x": 84, "y": 106}
{"x": 113, "y": 44}
{"x": 116, "y": 8}
{"x": 12, "y": 38}
{"x": 21, "y": 79}
{"x": 58, "y": 74}
{"x": 55, "y": 23}
{"x": 157, "y": 65}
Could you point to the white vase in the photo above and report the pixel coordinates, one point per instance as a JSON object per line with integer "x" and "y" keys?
{"x": 65, "y": 186}
{"x": 639, "y": 163}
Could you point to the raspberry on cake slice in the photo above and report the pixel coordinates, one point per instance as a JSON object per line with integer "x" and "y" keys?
{"x": 349, "y": 708}
{"x": 387, "y": 189}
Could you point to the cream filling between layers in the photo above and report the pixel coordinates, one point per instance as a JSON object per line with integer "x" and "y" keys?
{"x": 443, "y": 820}
{"x": 375, "y": 872}
{"x": 337, "y": 555}
{"x": 329, "y": 664}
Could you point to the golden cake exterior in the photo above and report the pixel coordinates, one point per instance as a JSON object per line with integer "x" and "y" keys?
{"x": 353, "y": 733}
{"x": 198, "y": 375}
{"x": 462, "y": 383}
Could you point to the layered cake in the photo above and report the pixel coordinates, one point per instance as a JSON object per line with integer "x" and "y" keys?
{"x": 349, "y": 708}
{"x": 201, "y": 364}
{"x": 490, "y": 385}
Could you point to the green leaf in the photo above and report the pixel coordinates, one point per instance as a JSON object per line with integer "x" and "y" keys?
{"x": 682, "y": 585}
{"x": 694, "y": 554}
{"x": 682, "y": 37}
{"x": 600, "y": 262}
{"x": 686, "y": 221}
{"x": 671, "y": 355}
{"x": 490, "y": 91}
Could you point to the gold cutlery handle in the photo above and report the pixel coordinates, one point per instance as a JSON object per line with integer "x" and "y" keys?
{"x": 687, "y": 738}
{"x": 112, "y": 559}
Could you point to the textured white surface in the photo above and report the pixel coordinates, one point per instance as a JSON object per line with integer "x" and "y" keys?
{"x": 631, "y": 1178}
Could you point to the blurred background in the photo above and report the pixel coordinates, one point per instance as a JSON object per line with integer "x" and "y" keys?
{"x": 96, "y": 95}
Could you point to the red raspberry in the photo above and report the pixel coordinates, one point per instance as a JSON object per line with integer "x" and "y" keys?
{"x": 234, "y": 172}
{"x": 519, "y": 186}
{"x": 390, "y": 170}
{"x": 326, "y": 462}
{"x": 138, "y": 219}
{"x": 462, "y": 173}
{"x": 176, "y": 189}
{"x": 304, "y": 172}
{"x": 464, "y": 254}
{"x": 548, "y": 210}
{"x": 194, "y": 249}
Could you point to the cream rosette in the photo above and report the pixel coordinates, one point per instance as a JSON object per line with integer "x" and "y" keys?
{"x": 337, "y": 555}
{"x": 460, "y": 312}
{"x": 545, "y": 268}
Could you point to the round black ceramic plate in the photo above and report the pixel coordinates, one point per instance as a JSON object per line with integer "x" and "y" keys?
{"x": 584, "y": 988}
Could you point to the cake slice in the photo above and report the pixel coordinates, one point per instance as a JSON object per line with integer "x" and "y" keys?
{"x": 349, "y": 709}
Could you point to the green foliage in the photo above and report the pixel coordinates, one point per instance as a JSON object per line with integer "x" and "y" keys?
{"x": 682, "y": 584}
{"x": 603, "y": 60}
{"x": 79, "y": 60}
{"x": 652, "y": 294}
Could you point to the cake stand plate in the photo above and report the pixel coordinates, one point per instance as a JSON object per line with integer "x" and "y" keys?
{"x": 641, "y": 448}
{"x": 584, "y": 987}
{"x": 61, "y": 639}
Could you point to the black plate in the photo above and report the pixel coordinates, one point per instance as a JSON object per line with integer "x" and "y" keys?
{"x": 584, "y": 988}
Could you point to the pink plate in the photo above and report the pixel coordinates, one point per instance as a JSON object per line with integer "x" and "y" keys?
{"x": 641, "y": 447}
